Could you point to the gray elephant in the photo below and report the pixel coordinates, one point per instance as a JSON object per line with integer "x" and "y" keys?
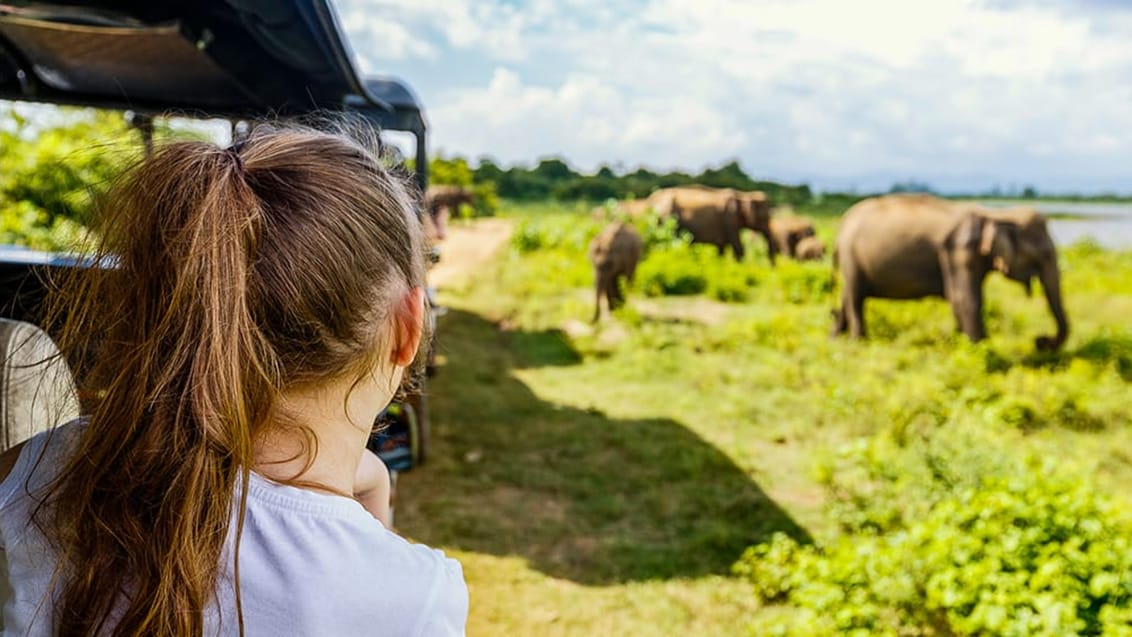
{"x": 809, "y": 249}
{"x": 717, "y": 215}
{"x": 912, "y": 246}
{"x": 614, "y": 253}
{"x": 440, "y": 202}
{"x": 789, "y": 231}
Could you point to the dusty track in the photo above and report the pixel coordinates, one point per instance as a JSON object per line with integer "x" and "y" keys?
{"x": 466, "y": 247}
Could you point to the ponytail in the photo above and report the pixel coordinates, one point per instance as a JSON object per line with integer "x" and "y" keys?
{"x": 183, "y": 381}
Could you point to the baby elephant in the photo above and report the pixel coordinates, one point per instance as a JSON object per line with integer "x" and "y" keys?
{"x": 789, "y": 231}
{"x": 614, "y": 254}
{"x": 809, "y": 249}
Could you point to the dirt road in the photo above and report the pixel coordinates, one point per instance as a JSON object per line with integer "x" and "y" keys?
{"x": 466, "y": 246}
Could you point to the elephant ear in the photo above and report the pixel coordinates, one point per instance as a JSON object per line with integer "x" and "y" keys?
{"x": 997, "y": 241}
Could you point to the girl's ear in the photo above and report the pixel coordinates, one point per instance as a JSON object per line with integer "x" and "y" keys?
{"x": 408, "y": 327}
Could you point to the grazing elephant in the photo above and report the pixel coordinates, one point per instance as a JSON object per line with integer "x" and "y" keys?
{"x": 440, "y": 202}
{"x": 912, "y": 246}
{"x": 717, "y": 215}
{"x": 614, "y": 253}
{"x": 809, "y": 249}
{"x": 788, "y": 232}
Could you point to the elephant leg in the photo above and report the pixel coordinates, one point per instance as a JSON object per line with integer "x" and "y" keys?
{"x": 616, "y": 298}
{"x": 600, "y": 288}
{"x": 771, "y": 245}
{"x": 737, "y": 247}
{"x": 839, "y": 323}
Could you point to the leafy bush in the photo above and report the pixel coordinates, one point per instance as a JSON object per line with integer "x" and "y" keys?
{"x": 675, "y": 271}
{"x": 969, "y": 543}
{"x": 803, "y": 283}
{"x": 24, "y": 224}
{"x": 681, "y": 268}
{"x": 58, "y": 169}
{"x": 553, "y": 233}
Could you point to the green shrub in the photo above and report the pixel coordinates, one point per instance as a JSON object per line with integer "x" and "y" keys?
{"x": 554, "y": 233}
{"x": 680, "y": 268}
{"x": 804, "y": 282}
{"x": 970, "y": 543}
{"x": 22, "y": 223}
{"x": 675, "y": 271}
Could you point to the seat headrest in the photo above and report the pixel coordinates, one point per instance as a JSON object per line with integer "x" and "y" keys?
{"x": 37, "y": 390}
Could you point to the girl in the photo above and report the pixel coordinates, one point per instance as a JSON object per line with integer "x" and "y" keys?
{"x": 264, "y": 303}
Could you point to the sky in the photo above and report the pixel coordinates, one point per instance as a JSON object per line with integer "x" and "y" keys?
{"x": 960, "y": 94}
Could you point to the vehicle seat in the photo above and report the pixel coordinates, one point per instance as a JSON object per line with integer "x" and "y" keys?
{"x": 37, "y": 390}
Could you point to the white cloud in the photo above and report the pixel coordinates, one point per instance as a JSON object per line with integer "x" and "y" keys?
{"x": 790, "y": 87}
{"x": 384, "y": 39}
{"x": 583, "y": 119}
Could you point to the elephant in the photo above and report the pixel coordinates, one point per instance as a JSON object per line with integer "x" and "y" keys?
{"x": 439, "y": 203}
{"x": 809, "y": 249}
{"x": 614, "y": 254}
{"x": 911, "y": 246}
{"x": 788, "y": 232}
{"x": 717, "y": 215}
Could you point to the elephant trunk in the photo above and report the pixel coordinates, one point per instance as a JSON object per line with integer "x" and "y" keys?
{"x": 1051, "y": 283}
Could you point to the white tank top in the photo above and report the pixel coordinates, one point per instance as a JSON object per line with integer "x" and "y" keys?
{"x": 310, "y": 563}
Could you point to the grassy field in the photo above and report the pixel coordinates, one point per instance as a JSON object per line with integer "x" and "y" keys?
{"x": 603, "y": 479}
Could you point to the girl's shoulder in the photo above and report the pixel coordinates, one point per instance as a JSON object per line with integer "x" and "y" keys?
{"x": 35, "y": 462}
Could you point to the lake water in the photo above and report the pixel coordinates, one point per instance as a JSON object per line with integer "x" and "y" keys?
{"x": 1109, "y": 224}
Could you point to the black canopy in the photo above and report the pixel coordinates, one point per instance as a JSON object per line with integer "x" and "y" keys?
{"x": 219, "y": 58}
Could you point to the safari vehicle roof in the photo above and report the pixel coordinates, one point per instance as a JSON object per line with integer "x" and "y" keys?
{"x": 214, "y": 58}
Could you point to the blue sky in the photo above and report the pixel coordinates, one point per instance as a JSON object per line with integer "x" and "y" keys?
{"x": 962, "y": 94}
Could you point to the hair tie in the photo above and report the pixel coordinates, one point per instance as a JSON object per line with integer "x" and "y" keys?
{"x": 233, "y": 151}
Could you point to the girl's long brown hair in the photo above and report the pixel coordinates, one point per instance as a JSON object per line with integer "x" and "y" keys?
{"x": 230, "y": 275}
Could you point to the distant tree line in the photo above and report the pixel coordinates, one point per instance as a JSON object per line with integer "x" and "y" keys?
{"x": 553, "y": 178}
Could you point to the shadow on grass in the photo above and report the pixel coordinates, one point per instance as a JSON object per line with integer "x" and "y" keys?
{"x": 546, "y": 348}
{"x": 577, "y": 494}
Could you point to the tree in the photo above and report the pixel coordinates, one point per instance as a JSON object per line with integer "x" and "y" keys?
{"x": 605, "y": 172}
{"x": 554, "y": 169}
{"x": 58, "y": 170}
{"x": 486, "y": 170}
{"x": 453, "y": 171}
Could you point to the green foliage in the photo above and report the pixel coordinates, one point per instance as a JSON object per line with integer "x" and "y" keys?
{"x": 24, "y": 224}
{"x": 675, "y": 271}
{"x": 971, "y": 543}
{"x": 455, "y": 171}
{"x": 57, "y": 170}
{"x": 554, "y": 178}
{"x": 682, "y": 268}
{"x": 552, "y": 233}
{"x": 804, "y": 283}
{"x": 50, "y": 175}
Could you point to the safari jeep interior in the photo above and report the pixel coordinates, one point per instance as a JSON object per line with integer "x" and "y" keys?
{"x": 238, "y": 60}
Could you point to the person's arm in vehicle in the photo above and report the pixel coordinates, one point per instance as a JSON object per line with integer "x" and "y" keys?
{"x": 372, "y": 487}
